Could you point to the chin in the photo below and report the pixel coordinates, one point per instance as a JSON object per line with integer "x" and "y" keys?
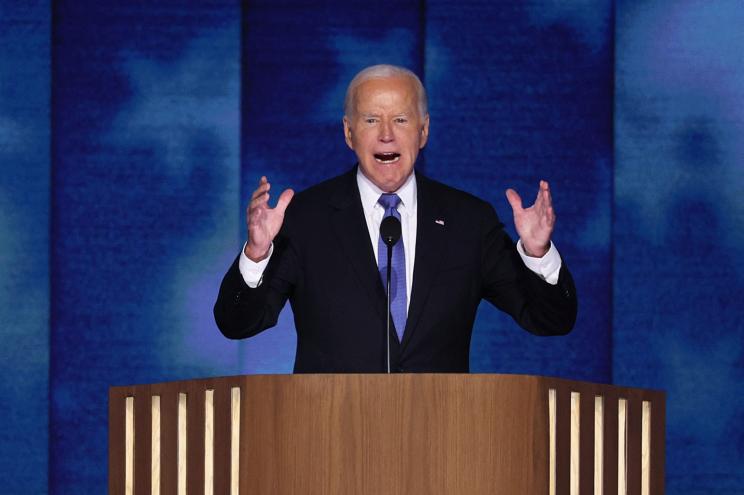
{"x": 391, "y": 185}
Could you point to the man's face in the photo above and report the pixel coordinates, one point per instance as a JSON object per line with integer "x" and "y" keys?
{"x": 386, "y": 131}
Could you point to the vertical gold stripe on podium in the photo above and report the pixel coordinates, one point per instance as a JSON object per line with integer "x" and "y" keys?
{"x": 155, "y": 446}
{"x": 622, "y": 447}
{"x": 552, "y": 419}
{"x": 129, "y": 446}
{"x": 181, "y": 456}
{"x": 646, "y": 449}
{"x": 598, "y": 445}
{"x": 209, "y": 442}
{"x": 575, "y": 438}
{"x": 234, "y": 440}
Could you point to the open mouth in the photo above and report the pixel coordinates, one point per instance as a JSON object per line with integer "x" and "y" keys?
{"x": 387, "y": 157}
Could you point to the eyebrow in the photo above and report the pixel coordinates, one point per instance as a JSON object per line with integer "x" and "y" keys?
{"x": 404, "y": 114}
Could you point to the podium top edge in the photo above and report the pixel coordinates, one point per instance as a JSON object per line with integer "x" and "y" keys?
{"x": 236, "y": 380}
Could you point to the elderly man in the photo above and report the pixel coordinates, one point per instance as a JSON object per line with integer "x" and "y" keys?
{"x": 320, "y": 249}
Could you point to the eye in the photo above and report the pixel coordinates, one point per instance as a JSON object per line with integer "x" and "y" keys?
{"x": 401, "y": 120}
{"x": 370, "y": 120}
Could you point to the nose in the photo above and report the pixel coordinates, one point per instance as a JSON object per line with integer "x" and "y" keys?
{"x": 386, "y": 132}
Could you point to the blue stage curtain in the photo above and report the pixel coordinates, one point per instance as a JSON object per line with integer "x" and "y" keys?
{"x": 24, "y": 245}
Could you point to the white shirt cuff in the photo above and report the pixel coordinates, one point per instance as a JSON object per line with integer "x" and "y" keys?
{"x": 251, "y": 271}
{"x": 546, "y": 267}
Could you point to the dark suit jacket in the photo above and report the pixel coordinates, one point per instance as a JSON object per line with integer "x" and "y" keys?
{"x": 324, "y": 264}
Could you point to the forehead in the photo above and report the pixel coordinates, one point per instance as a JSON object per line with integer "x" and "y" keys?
{"x": 391, "y": 93}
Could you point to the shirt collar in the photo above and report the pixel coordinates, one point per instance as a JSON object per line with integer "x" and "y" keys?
{"x": 370, "y": 193}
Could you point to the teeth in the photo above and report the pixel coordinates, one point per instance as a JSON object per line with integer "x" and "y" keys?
{"x": 387, "y": 157}
{"x": 389, "y": 160}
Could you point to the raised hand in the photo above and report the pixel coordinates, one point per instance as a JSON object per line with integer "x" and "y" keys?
{"x": 534, "y": 224}
{"x": 264, "y": 222}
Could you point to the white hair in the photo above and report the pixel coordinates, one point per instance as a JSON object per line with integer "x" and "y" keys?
{"x": 384, "y": 71}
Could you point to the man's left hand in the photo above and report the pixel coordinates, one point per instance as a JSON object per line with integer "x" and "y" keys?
{"x": 534, "y": 224}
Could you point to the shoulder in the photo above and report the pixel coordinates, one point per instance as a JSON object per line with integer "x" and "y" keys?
{"x": 451, "y": 198}
{"x": 327, "y": 189}
{"x": 319, "y": 200}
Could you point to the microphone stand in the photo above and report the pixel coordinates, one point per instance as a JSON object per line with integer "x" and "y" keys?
{"x": 387, "y": 286}
{"x": 390, "y": 232}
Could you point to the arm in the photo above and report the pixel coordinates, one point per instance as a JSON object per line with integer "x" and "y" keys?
{"x": 242, "y": 311}
{"x": 541, "y": 305}
{"x": 245, "y": 307}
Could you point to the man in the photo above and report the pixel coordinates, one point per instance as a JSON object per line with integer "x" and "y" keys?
{"x": 319, "y": 249}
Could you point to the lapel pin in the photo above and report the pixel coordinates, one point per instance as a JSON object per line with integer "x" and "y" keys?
{"x": 439, "y": 222}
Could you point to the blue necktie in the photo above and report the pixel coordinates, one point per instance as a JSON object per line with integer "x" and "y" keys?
{"x": 390, "y": 202}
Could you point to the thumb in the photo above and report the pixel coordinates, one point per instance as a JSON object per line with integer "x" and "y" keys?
{"x": 284, "y": 199}
{"x": 514, "y": 200}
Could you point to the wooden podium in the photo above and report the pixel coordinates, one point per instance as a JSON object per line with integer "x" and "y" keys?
{"x": 385, "y": 434}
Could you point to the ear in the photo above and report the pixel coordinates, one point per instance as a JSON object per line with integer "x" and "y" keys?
{"x": 347, "y": 133}
{"x": 424, "y": 132}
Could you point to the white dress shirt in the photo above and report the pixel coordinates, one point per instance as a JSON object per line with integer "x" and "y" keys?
{"x": 546, "y": 267}
{"x": 373, "y": 212}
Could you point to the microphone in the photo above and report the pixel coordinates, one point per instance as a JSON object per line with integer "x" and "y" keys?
{"x": 390, "y": 232}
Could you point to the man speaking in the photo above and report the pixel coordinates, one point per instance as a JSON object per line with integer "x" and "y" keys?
{"x": 322, "y": 250}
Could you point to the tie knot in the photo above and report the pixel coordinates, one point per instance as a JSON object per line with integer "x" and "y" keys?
{"x": 389, "y": 201}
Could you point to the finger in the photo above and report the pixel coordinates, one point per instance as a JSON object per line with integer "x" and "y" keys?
{"x": 543, "y": 199}
{"x": 540, "y": 194}
{"x": 514, "y": 199}
{"x": 545, "y": 188}
{"x": 547, "y": 200}
{"x": 259, "y": 195}
{"x": 548, "y": 204}
{"x": 262, "y": 188}
{"x": 263, "y": 199}
{"x": 284, "y": 199}
{"x": 549, "y": 217}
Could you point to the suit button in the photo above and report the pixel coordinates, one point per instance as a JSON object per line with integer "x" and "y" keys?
{"x": 237, "y": 298}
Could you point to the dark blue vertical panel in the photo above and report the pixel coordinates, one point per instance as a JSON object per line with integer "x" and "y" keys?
{"x": 298, "y": 59}
{"x": 24, "y": 240}
{"x": 521, "y": 91}
{"x": 145, "y": 206}
{"x": 679, "y": 280}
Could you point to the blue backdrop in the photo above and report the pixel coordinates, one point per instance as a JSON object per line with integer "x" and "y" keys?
{"x": 132, "y": 134}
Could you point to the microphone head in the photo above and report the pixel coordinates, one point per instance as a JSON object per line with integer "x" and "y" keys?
{"x": 390, "y": 230}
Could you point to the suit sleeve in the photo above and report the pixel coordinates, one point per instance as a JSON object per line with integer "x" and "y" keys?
{"x": 242, "y": 311}
{"x": 536, "y": 305}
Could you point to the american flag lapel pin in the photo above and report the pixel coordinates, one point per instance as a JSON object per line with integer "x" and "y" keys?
{"x": 439, "y": 221}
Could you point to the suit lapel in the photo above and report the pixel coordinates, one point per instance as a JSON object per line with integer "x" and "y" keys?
{"x": 430, "y": 243}
{"x": 352, "y": 235}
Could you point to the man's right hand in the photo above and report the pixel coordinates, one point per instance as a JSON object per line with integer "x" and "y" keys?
{"x": 264, "y": 222}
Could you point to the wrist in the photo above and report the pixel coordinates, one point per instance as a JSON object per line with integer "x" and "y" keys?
{"x": 535, "y": 252}
{"x": 255, "y": 254}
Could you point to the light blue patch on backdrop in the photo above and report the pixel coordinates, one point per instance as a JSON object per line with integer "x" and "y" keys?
{"x": 682, "y": 110}
{"x": 679, "y": 219}
{"x": 146, "y": 188}
{"x": 589, "y": 19}
{"x": 173, "y": 101}
{"x": 177, "y": 108}
{"x": 525, "y": 93}
{"x": 24, "y": 245}
{"x": 352, "y": 53}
